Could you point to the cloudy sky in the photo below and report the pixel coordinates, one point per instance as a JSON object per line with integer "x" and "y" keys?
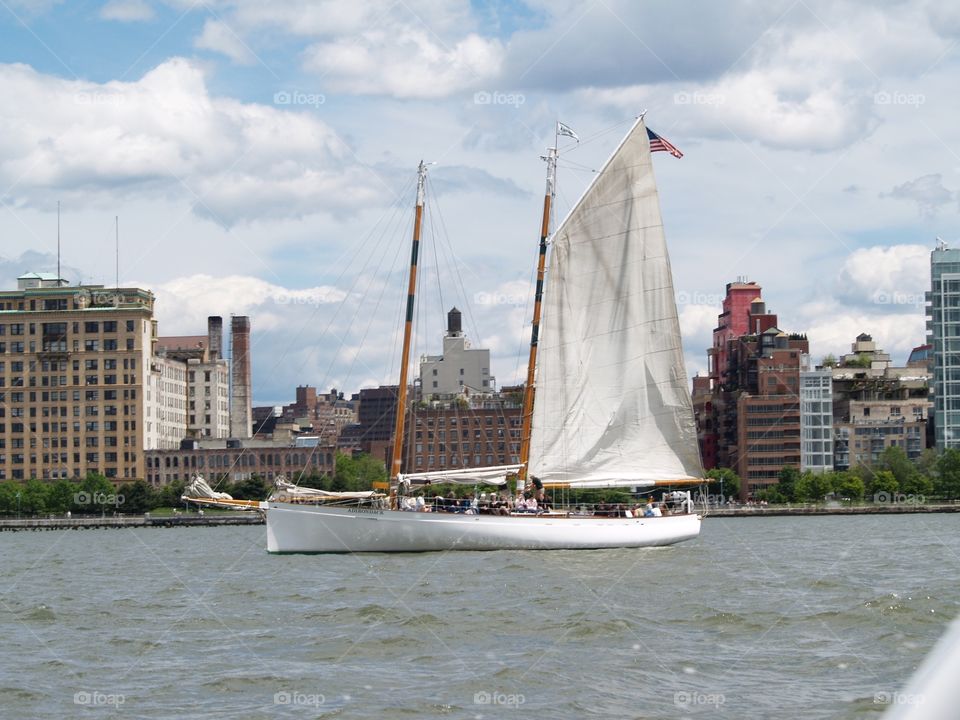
{"x": 261, "y": 159}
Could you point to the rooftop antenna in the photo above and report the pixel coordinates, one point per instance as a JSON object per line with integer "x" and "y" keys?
{"x": 116, "y": 225}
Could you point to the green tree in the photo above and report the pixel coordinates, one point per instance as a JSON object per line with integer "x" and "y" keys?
{"x": 169, "y": 495}
{"x": 252, "y": 488}
{"x": 138, "y": 497}
{"x": 813, "y": 487}
{"x": 60, "y": 495}
{"x": 730, "y": 485}
{"x": 895, "y": 460}
{"x": 8, "y": 496}
{"x": 357, "y": 473}
{"x": 829, "y": 360}
{"x": 33, "y": 497}
{"x": 848, "y": 485}
{"x": 771, "y": 495}
{"x": 882, "y": 484}
{"x": 947, "y": 482}
{"x": 91, "y": 494}
{"x": 787, "y": 482}
{"x": 927, "y": 463}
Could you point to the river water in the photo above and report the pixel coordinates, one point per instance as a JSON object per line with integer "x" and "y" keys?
{"x": 813, "y": 617}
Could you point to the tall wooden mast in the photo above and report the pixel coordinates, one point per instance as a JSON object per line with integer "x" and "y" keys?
{"x": 398, "y": 427}
{"x": 529, "y": 390}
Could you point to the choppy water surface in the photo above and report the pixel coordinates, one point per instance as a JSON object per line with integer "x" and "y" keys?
{"x": 818, "y": 617}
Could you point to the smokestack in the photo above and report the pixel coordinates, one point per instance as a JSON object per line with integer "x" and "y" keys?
{"x": 215, "y": 337}
{"x": 453, "y": 322}
{"x": 241, "y": 412}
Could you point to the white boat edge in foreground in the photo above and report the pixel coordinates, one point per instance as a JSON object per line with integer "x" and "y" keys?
{"x": 302, "y": 528}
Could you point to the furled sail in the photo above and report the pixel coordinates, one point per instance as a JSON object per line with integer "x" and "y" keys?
{"x": 612, "y": 404}
{"x": 495, "y": 475}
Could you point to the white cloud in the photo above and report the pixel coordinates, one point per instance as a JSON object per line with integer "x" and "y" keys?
{"x": 164, "y": 135}
{"x": 221, "y": 38}
{"x": 890, "y": 279}
{"x": 896, "y": 334}
{"x": 184, "y": 303}
{"x": 127, "y": 11}
{"x": 404, "y": 62}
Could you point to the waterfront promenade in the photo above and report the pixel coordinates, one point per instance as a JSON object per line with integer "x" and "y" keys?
{"x": 812, "y": 509}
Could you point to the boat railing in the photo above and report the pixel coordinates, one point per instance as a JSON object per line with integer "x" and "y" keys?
{"x": 485, "y": 507}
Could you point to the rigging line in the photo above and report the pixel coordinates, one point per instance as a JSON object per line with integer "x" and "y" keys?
{"x": 359, "y": 307}
{"x": 575, "y": 166}
{"x": 358, "y": 252}
{"x": 499, "y": 408}
{"x": 598, "y": 135}
{"x": 373, "y": 315}
{"x": 436, "y": 257}
{"x": 456, "y": 267}
{"x": 461, "y": 291}
{"x": 523, "y": 325}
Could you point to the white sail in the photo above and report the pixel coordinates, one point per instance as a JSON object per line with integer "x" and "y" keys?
{"x": 200, "y": 488}
{"x": 495, "y": 475}
{"x": 612, "y": 404}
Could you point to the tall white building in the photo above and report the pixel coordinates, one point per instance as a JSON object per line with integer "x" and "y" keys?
{"x": 943, "y": 331}
{"x": 816, "y": 417}
{"x": 461, "y": 369}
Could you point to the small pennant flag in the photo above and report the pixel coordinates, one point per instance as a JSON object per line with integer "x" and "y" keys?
{"x": 659, "y": 144}
{"x": 565, "y": 130}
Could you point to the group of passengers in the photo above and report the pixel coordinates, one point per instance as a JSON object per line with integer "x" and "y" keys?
{"x": 650, "y": 509}
{"x": 533, "y": 502}
{"x": 493, "y": 503}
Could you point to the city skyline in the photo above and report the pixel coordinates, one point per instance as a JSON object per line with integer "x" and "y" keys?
{"x": 248, "y": 149}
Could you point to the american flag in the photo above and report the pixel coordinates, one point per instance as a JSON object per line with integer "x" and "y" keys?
{"x": 659, "y": 144}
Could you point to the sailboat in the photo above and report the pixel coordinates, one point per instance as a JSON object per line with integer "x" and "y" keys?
{"x": 606, "y": 401}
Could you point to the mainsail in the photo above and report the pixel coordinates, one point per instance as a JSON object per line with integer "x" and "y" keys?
{"x": 612, "y": 404}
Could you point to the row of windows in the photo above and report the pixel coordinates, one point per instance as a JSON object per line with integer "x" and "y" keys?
{"x": 244, "y": 459}
{"x": 53, "y": 427}
{"x": 488, "y": 420}
{"x": 477, "y": 447}
{"x": 109, "y": 345}
{"x": 465, "y": 434}
{"x": 455, "y": 460}
{"x": 59, "y": 329}
{"x": 48, "y": 366}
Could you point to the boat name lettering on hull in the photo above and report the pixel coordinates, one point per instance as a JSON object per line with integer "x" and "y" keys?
{"x": 365, "y": 511}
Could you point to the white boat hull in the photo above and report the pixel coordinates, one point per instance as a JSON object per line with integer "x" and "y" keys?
{"x": 299, "y": 528}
